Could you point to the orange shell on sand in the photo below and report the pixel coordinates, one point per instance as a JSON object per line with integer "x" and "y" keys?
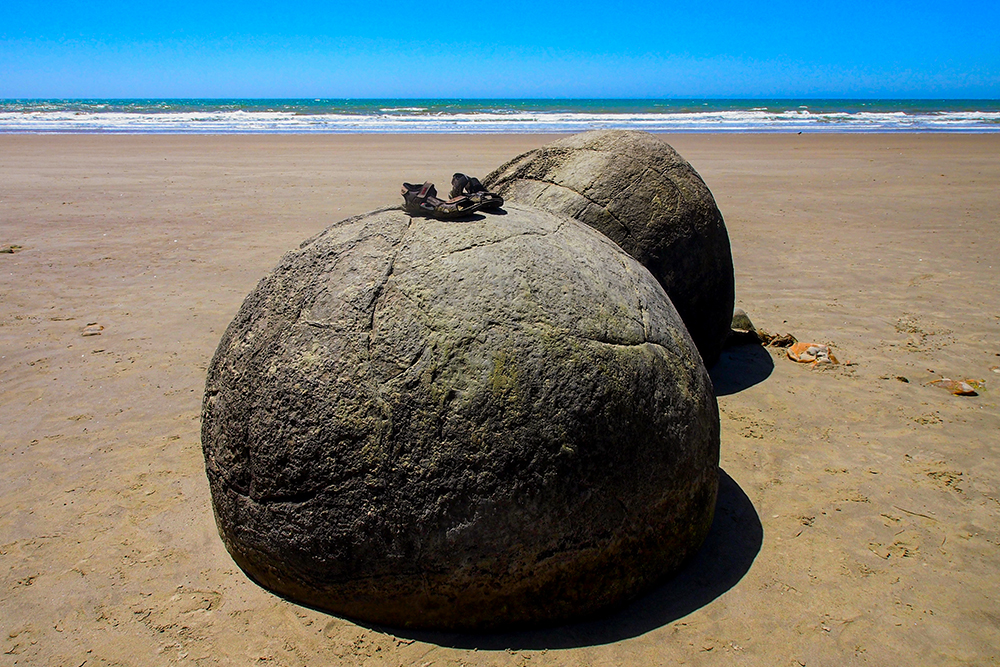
{"x": 957, "y": 387}
{"x": 811, "y": 353}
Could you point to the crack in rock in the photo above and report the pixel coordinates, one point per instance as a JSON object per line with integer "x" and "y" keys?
{"x": 628, "y": 232}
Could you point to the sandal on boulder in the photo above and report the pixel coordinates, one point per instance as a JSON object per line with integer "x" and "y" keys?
{"x": 423, "y": 200}
{"x": 469, "y": 186}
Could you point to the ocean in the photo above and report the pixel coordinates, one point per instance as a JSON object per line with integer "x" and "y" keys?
{"x": 410, "y": 116}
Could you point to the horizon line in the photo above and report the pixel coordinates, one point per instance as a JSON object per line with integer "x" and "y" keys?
{"x": 474, "y": 99}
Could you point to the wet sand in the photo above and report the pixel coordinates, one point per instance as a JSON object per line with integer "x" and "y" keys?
{"x": 859, "y": 519}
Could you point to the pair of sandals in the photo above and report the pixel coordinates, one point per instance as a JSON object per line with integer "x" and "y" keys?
{"x": 467, "y": 196}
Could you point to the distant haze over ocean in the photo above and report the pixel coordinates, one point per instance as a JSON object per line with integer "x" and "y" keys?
{"x": 444, "y": 116}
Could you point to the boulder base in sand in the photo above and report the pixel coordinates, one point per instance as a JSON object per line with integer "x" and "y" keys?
{"x": 460, "y": 425}
{"x": 637, "y": 191}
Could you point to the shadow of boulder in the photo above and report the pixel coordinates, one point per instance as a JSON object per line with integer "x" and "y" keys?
{"x": 729, "y": 550}
{"x": 741, "y": 367}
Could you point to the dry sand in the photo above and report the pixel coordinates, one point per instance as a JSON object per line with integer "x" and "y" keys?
{"x": 858, "y": 522}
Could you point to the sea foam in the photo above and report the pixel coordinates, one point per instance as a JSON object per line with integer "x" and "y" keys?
{"x": 489, "y": 117}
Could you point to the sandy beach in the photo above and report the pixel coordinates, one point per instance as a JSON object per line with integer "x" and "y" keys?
{"x": 859, "y": 514}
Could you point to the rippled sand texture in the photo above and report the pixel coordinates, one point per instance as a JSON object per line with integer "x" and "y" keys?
{"x": 858, "y": 518}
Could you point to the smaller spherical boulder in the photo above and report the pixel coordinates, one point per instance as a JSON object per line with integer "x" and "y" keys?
{"x": 460, "y": 425}
{"x": 637, "y": 191}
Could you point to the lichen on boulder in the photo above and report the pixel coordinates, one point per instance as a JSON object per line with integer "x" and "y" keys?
{"x": 460, "y": 425}
{"x": 639, "y": 192}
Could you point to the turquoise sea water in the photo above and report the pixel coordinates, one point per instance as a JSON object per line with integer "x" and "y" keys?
{"x": 389, "y": 116}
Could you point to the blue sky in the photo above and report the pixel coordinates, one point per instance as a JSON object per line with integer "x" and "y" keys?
{"x": 506, "y": 49}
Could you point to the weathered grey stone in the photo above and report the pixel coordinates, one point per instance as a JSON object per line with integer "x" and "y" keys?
{"x": 742, "y": 331}
{"x": 741, "y": 322}
{"x": 462, "y": 425}
{"x": 641, "y": 194}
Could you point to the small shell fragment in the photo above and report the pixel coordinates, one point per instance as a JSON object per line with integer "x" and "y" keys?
{"x": 957, "y": 387}
{"x": 811, "y": 353}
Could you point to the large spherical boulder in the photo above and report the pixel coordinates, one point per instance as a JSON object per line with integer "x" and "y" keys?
{"x": 460, "y": 425}
{"x": 637, "y": 191}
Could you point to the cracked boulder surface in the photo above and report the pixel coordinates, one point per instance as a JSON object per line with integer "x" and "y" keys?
{"x": 472, "y": 425}
{"x": 640, "y": 193}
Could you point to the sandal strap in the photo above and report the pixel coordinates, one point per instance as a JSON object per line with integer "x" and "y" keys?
{"x": 458, "y": 183}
